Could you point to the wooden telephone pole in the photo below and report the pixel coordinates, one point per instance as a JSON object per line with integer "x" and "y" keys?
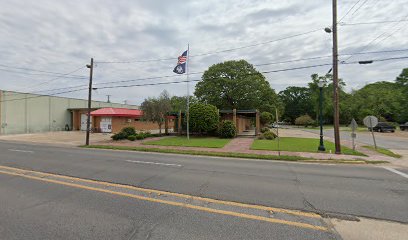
{"x": 88, "y": 121}
{"x": 336, "y": 82}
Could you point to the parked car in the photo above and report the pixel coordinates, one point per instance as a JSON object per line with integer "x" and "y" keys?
{"x": 404, "y": 127}
{"x": 383, "y": 127}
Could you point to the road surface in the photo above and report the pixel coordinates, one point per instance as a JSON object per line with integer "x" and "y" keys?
{"x": 385, "y": 140}
{"x": 46, "y": 193}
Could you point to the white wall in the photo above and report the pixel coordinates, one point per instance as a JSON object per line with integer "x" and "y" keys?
{"x": 31, "y": 113}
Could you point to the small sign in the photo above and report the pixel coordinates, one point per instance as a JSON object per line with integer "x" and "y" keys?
{"x": 353, "y": 125}
{"x": 370, "y": 121}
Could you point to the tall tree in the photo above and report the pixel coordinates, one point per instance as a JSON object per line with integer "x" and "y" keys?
{"x": 180, "y": 103}
{"x": 155, "y": 109}
{"x": 297, "y": 102}
{"x": 236, "y": 84}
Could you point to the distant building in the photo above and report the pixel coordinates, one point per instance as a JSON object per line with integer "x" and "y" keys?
{"x": 33, "y": 113}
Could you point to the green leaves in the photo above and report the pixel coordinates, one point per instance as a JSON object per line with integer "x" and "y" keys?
{"x": 236, "y": 84}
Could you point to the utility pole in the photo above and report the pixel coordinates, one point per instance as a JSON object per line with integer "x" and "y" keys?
{"x": 88, "y": 121}
{"x": 336, "y": 82}
{"x": 108, "y": 98}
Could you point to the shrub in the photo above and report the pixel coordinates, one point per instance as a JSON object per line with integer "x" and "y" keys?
{"x": 118, "y": 136}
{"x": 140, "y": 136}
{"x": 266, "y": 118}
{"x": 227, "y": 129}
{"x": 128, "y": 131}
{"x": 265, "y": 129}
{"x": 304, "y": 120}
{"x": 204, "y": 118}
{"x": 131, "y": 137}
{"x": 269, "y": 135}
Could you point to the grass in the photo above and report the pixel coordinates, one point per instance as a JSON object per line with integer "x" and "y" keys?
{"x": 299, "y": 145}
{"x": 208, "y": 142}
{"x": 233, "y": 155}
{"x": 384, "y": 151}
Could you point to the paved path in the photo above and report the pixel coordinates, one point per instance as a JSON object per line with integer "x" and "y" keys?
{"x": 46, "y": 205}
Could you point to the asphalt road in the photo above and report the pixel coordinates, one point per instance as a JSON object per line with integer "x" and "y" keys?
{"x": 32, "y": 208}
{"x": 385, "y": 140}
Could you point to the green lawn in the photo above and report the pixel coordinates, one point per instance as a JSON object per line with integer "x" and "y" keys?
{"x": 384, "y": 151}
{"x": 299, "y": 145}
{"x": 208, "y": 142}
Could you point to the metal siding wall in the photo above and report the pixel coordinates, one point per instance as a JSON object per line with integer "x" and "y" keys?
{"x": 33, "y": 113}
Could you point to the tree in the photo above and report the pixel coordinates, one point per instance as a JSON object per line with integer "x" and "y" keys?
{"x": 304, "y": 120}
{"x": 236, "y": 84}
{"x": 266, "y": 118}
{"x": 204, "y": 118}
{"x": 297, "y": 101}
{"x": 180, "y": 103}
{"x": 402, "y": 79}
{"x": 155, "y": 109}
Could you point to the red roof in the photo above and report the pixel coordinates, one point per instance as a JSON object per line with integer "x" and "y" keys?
{"x": 118, "y": 112}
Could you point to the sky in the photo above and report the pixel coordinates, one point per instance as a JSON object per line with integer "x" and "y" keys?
{"x": 45, "y": 45}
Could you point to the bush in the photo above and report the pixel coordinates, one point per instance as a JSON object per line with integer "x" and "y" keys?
{"x": 131, "y": 137}
{"x": 304, "y": 120}
{"x": 128, "y": 131}
{"x": 118, "y": 136}
{"x": 227, "y": 129}
{"x": 269, "y": 135}
{"x": 266, "y": 118}
{"x": 265, "y": 129}
{"x": 204, "y": 118}
{"x": 140, "y": 136}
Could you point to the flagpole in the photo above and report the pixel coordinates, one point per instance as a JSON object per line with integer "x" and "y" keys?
{"x": 188, "y": 92}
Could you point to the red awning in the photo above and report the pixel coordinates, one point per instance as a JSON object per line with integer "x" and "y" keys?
{"x": 118, "y": 112}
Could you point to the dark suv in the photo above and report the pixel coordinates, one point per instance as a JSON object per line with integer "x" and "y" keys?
{"x": 383, "y": 127}
{"x": 404, "y": 127}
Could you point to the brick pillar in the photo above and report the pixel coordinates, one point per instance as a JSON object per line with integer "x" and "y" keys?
{"x": 257, "y": 124}
{"x": 234, "y": 119}
{"x": 179, "y": 123}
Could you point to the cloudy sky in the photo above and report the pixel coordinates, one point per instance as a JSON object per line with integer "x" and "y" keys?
{"x": 41, "y": 39}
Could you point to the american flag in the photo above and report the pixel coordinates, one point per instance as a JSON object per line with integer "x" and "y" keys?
{"x": 183, "y": 58}
{"x": 181, "y": 64}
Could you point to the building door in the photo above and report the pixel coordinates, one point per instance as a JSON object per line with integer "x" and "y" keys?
{"x": 84, "y": 119}
{"x": 106, "y": 124}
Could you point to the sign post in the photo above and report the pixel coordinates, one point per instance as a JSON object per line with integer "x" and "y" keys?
{"x": 371, "y": 122}
{"x": 353, "y": 126}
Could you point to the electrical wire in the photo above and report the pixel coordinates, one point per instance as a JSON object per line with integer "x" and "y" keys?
{"x": 216, "y": 52}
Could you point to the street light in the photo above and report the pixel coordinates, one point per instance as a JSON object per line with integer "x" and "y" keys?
{"x": 321, "y": 145}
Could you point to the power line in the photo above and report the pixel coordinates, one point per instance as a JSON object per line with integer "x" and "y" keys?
{"x": 345, "y": 15}
{"x": 375, "y": 22}
{"x": 37, "y": 96}
{"x": 362, "y": 4}
{"x": 219, "y": 51}
{"x": 38, "y": 74}
{"x": 36, "y": 70}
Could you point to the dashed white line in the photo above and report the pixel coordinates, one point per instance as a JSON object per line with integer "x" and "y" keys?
{"x": 155, "y": 163}
{"x": 396, "y": 171}
{"x": 18, "y": 150}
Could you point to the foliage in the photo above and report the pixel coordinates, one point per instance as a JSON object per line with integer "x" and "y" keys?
{"x": 131, "y": 137}
{"x": 297, "y": 102}
{"x": 266, "y": 118}
{"x": 304, "y": 120}
{"x": 118, "y": 136}
{"x": 268, "y": 135}
{"x": 236, "y": 84}
{"x": 227, "y": 129}
{"x": 264, "y": 129}
{"x": 155, "y": 109}
{"x": 140, "y": 136}
{"x": 204, "y": 118}
{"x": 128, "y": 131}
{"x": 180, "y": 103}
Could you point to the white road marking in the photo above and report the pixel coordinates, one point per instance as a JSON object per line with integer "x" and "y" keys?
{"x": 18, "y": 150}
{"x": 396, "y": 171}
{"x": 155, "y": 163}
